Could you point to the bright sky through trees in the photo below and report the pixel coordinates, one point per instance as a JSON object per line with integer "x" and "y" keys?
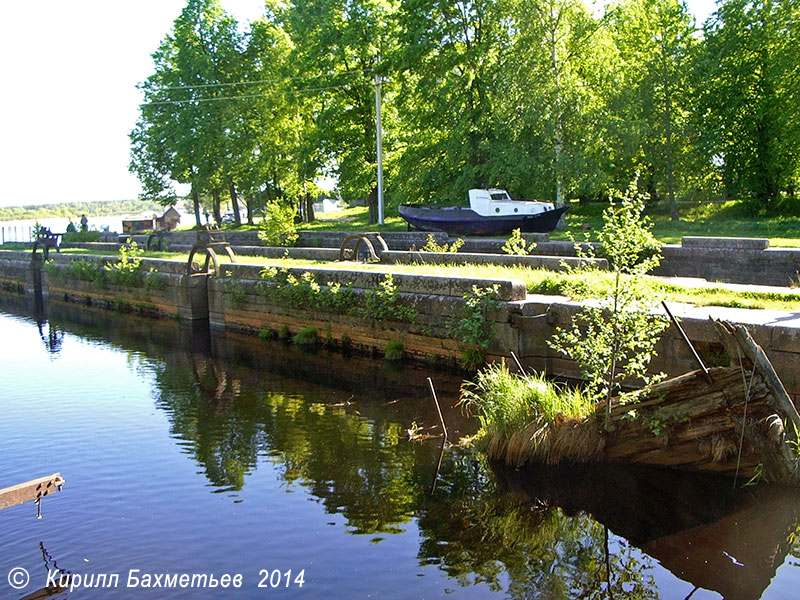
{"x": 69, "y": 92}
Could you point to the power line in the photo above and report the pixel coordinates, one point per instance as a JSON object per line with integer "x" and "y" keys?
{"x": 251, "y": 82}
{"x": 245, "y": 96}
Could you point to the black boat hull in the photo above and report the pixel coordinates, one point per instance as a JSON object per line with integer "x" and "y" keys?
{"x": 465, "y": 221}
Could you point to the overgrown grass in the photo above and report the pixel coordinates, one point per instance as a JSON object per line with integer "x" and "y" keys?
{"x": 505, "y": 402}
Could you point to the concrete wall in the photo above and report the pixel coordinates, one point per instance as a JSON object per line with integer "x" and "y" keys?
{"x": 777, "y": 332}
{"x": 522, "y": 323}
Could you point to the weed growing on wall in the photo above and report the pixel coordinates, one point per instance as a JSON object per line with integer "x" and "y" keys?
{"x": 394, "y": 350}
{"x": 516, "y": 244}
{"x": 383, "y": 303}
{"x": 283, "y": 287}
{"x": 237, "y": 295}
{"x": 474, "y": 327}
{"x": 432, "y": 246}
{"x": 127, "y": 270}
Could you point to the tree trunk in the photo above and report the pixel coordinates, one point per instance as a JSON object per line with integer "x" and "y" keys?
{"x": 235, "y": 204}
{"x": 215, "y": 207}
{"x": 196, "y": 206}
{"x": 248, "y": 202}
{"x": 372, "y": 205}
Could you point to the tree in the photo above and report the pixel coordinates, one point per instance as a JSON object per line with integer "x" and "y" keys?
{"x": 614, "y": 336}
{"x": 338, "y": 47}
{"x": 750, "y": 99}
{"x": 560, "y": 56}
{"x": 186, "y": 132}
{"x": 449, "y": 67}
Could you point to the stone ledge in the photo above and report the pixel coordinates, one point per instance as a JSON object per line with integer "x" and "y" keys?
{"x": 725, "y": 242}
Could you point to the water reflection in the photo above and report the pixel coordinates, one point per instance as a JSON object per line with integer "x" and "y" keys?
{"x": 699, "y": 528}
{"x": 234, "y": 404}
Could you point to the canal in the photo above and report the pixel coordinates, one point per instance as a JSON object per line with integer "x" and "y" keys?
{"x": 317, "y": 475}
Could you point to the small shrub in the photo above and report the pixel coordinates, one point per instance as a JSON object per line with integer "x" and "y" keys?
{"x": 394, "y": 350}
{"x": 516, "y": 244}
{"x": 432, "y": 246}
{"x": 126, "y": 271}
{"x": 307, "y": 338}
{"x": 237, "y": 295}
{"x": 473, "y": 327}
{"x": 284, "y": 334}
{"x": 153, "y": 280}
{"x": 81, "y": 236}
{"x": 267, "y": 334}
{"x": 278, "y": 228}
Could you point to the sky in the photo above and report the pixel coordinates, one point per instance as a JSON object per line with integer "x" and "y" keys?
{"x": 69, "y": 96}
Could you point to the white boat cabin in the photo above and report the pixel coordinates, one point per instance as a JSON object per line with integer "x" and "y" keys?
{"x": 497, "y": 203}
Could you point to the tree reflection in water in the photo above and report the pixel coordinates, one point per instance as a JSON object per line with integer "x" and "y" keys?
{"x": 533, "y": 534}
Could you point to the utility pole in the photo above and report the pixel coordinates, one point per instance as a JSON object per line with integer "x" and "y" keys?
{"x": 379, "y": 135}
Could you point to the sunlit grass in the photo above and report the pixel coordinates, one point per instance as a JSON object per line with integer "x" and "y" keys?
{"x": 505, "y": 402}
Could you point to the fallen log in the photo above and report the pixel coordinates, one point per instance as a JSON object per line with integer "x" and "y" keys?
{"x": 737, "y": 421}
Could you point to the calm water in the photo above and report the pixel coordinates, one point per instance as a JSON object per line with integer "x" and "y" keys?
{"x": 190, "y": 453}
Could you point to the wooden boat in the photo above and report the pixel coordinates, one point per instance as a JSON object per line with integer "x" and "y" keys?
{"x": 490, "y": 212}
{"x": 737, "y": 421}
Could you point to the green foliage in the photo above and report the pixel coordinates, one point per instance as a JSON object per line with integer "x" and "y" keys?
{"x": 283, "y": 287}
{"x": 432, "y": 246}
{"x": 505, "y": 402}
{"x": 473, "y": 327}
{"x": 237, "y": 295}
{"x": 80, "y": 269}
{"x": 81, "y": 236}
{"x": 306, "y": 338}
{"x": 516, "y": 244}
{"x": 127, "y": 270}
{"x": 614, "y": 336}
{"x": 384, "y": 303}
{"x": 626, "y": 238}
{"x": 395, "y": 350}
{"x": 278, "y": 228}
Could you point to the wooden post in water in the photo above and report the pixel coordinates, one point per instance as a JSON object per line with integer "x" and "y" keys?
{"x": 35, "y": 489}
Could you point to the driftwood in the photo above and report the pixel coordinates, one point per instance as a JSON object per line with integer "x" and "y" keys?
{"x": 737, "y": 421}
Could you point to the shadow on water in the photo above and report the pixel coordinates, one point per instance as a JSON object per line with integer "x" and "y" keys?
{"x": 338, "y": 427}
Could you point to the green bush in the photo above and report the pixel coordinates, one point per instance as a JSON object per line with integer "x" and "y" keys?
{"x": 516, "y": 244}
{"x": 432, "y": 246}
{"x": 307, "y": 338}
{"x": 395, "y": 350}
{"x": 278, "y": 228}
{"x": 81, "y": 236}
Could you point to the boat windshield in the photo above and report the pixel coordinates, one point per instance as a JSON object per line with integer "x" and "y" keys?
{"x": 499, "y": 195}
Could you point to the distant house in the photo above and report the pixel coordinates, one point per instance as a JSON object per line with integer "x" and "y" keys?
{"x": 169, "y": 220}
{"x": 327, "y": 203}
